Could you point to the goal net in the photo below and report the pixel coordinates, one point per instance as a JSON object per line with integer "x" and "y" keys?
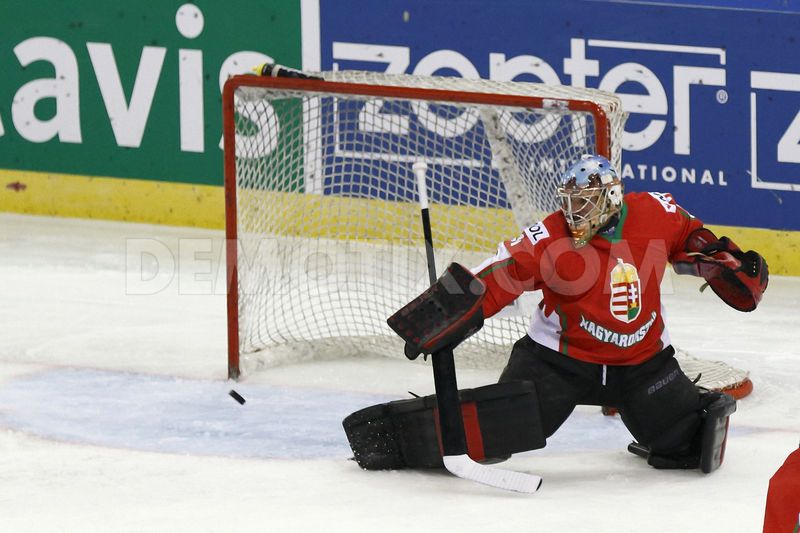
{"x": 324, "y": 237}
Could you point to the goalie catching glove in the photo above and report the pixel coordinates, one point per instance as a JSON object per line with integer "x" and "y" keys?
{"x": 738, "y": 278}
{"x": 444, "y": 315}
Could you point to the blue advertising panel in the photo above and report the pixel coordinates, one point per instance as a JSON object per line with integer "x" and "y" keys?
{"x": 713, "y": 92}
{"x": 456, "y": 143}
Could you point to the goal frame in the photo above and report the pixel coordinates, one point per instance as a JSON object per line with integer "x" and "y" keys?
{"x": 602, "y": 146}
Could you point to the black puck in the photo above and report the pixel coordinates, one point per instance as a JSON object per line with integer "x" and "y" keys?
{"x": 236, "y": 396}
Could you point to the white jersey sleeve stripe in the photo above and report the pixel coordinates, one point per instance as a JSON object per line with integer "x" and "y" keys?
{"x": 502, "y": 255}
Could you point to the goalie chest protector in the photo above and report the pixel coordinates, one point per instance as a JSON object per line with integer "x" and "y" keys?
{"x": 499, "y": 420}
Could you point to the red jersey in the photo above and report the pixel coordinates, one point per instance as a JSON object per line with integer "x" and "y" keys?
{"x": 601, "y": 303}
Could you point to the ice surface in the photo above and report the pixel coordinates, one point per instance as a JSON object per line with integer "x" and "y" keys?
{"x": 114, "y": 412}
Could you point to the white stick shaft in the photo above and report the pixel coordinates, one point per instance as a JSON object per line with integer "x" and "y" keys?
{"x": 420, "y": 168}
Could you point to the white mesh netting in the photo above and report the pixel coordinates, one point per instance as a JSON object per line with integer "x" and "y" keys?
{"x": 330, "y": 242}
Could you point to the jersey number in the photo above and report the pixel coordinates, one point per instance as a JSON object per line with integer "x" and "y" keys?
{"x": 537, "y": 232}
{"x": 665, "y": 200}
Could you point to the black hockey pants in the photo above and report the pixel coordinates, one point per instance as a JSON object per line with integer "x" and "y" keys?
{"x": 657, "y": 402}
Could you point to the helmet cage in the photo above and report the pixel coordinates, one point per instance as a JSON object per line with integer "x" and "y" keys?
{"x": 590, "y": 193}
{"x": 586, "y": 210}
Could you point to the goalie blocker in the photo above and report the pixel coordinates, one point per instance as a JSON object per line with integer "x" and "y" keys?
{"x": 443, "y": 316}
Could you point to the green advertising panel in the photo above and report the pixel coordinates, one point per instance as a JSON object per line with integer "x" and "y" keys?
{"x": 129, "y": 89}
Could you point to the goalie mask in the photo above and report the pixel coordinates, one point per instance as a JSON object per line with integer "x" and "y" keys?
{"x": 590, "y": 192}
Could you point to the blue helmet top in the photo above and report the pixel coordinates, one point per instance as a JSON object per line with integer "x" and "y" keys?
{"x": 590, "y": 170}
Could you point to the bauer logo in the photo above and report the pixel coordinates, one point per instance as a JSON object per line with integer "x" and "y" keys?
{"x": 626, "y": 292}
{"x": 661, "y": 383}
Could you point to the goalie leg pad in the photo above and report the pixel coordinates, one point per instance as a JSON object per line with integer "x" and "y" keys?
{"x": 499, "y": 420}
{"x": 714, "y": 433}
{"x": 372, "y": 437}
{"x": 707, "y": 449}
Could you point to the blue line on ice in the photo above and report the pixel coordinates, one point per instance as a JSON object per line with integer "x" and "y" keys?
{"x": 165, "y": 414}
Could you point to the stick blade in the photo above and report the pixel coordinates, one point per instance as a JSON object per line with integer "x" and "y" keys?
{"x": 464, "y": 467}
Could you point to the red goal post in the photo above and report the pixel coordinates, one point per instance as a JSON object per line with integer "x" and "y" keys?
{"x": 317, "y": 172}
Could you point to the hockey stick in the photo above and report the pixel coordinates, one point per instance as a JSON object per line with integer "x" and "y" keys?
{"x": 454, "y": 444}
